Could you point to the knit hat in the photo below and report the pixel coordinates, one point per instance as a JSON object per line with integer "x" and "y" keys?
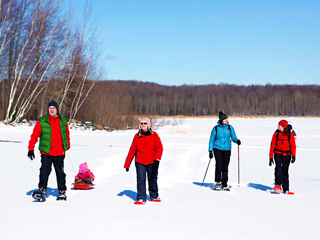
{"x": 283, "y": 123}
{"x": 54, "y": 104}
{"x": 83, "y": 167}
{"x": 145, "y": 120}
{"x": 222, "y": 116}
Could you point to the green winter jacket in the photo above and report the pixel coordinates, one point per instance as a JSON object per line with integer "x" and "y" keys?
{"x": 45, "y": 138}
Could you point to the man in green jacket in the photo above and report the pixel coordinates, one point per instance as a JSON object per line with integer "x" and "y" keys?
{"x": 53, "y": 131}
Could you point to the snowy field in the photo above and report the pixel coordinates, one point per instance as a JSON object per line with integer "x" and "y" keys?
{"x": 187, "y": 211}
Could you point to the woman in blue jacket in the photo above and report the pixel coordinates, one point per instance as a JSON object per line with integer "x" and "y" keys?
{"x": 220, "y": 146}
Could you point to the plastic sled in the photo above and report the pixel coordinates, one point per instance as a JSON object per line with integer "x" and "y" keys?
{"x": 83, "y": 186}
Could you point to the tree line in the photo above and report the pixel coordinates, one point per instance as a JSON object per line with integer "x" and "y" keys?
{"x": 116, "y": 103}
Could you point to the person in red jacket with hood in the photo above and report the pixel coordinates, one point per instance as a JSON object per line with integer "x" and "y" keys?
{"x": 53, "y": 131}
{"x": 147, "y": 149}
{"x": 283, "y": 151}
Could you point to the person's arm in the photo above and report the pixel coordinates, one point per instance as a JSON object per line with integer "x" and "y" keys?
{"x": 212, "y": 138}
{"x": 132, "y": 152}
{"x": 34, "y": 136}
{"x": 292, "y": 145}
{"x": 233, "y": 135}
{"x": 159, "y": 147}
{"x": 68, "y": 136}
{"x": 272, "y": 145}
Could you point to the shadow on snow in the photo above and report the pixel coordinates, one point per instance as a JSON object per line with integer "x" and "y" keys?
{"x": 259, "y": 186}
{"x": 131, "y": 194}
{"x": 50, "y": 192}
{"x": 208, "y": 185}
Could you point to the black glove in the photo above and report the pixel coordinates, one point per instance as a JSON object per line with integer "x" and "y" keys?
{"x": 87, "y": 180}
{"x": 239, "y": 142}
{"x": 127, "y": 169}
{"x": 31, "y": 155}
{"x": 271, "y": 161}
{"x": 293, "y": 159}
{"x": 210, "y": 154}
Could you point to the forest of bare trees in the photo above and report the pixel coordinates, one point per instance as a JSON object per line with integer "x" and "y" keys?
{"x": 114, "y": 103}
{"x": 44, "y": 55}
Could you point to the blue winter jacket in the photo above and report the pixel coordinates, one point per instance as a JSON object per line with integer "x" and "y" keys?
{"x": 220, "y": 139}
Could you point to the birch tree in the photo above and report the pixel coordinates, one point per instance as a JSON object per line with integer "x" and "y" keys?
{"x": 81, "y": 72}
{"x": 36, "y": 52}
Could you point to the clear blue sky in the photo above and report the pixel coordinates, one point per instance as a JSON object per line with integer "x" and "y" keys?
{"x": 175, "y": 42}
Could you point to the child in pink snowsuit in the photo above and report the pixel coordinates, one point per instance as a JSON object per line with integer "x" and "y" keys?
{"x": 84, "y": 175}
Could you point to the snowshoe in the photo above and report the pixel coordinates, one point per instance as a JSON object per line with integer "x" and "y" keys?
{"x": 62, "y": 196}
{"x": 277, "y": 189}
{"x": 155, "y": 200}
{"x": 289, "y": 193}
{"x": 39, "y": 195}
{"x": 218, "y": 186}
{"x": 226, "y": 189}
{"x": 139, "y": 202}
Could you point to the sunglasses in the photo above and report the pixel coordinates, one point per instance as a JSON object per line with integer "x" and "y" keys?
{"x": 143, "y": 123}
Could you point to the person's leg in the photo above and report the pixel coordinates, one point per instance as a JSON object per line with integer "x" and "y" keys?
{"x": 141, "y": 181}
{"x": 278, "y": 174}
{"x": 153, "y": 180}
{"x": 225, "y": 167}
{"x": 45, "y": 171}
{"x": 58, "y": 163}
{"x": 285, "y": 173}
{"x": 218, "y": 158}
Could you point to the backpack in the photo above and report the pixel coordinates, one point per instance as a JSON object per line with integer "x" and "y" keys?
{"x": 277, "y": 137}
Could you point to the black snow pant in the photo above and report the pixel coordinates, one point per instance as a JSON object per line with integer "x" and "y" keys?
{"x": 281, "y": 171}
{"x": 151, "y": 170}
{"x": 45, "y": 170}
{"x": 222, "y": 165}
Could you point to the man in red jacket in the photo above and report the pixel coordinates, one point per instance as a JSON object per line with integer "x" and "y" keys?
{"x": 147, "y": 149}
{"x": 53, "y": 131}
{"x": 283, "y": 150}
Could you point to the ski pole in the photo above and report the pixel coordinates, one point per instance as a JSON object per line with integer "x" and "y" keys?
{"x": 206, "y": 172}
{"x": 238, "y": 167}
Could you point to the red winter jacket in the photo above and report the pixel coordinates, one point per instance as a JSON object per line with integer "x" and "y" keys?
{"x": 282, "y": 145}
{"x": 56, "y": 148}
{"x": 146, "y": 149}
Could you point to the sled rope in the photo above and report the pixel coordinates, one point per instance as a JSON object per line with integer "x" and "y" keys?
{"x": 71, "y": 164}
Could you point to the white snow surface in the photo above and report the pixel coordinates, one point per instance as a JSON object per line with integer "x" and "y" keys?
{"x": 188, "y": 210}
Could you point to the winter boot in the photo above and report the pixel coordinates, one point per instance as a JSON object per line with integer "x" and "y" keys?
{"x": 43, "y": 190}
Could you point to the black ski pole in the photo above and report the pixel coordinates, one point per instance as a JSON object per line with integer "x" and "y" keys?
{"x": 206, "y": 172}
{"x": 238, "y": 167}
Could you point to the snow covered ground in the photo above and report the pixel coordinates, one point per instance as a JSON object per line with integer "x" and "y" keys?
{"x": 187, "y": 211}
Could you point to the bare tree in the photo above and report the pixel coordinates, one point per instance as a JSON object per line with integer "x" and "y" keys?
{"x": 35, "y": 59}
{"x": 81, "y": 67}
